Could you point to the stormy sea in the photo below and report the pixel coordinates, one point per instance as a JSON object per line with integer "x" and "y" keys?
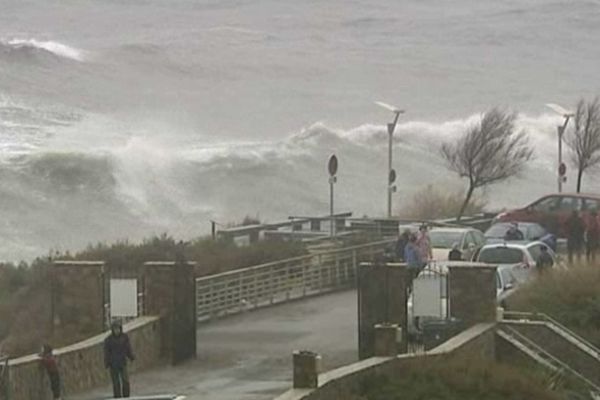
{"x": 123, "y": 119}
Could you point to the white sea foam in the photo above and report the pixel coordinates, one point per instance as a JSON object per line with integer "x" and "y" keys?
{"x": 56, "y": 48}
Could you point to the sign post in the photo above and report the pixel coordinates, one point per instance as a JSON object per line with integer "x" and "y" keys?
{"x": 332, "y": 167}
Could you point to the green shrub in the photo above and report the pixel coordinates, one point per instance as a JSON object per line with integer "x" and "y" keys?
{"x": 571, "y": 296}
{"x": 24, "y": 289}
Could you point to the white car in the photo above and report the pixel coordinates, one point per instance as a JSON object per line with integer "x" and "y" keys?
{"x": 442, "y": 240}
{"x": 514, "y": 254}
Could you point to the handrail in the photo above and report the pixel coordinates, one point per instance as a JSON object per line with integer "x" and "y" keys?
{"x": 297, "y": 258}
{"x": 540, "y": 350}
{"x": 547, "y": 318}
{"x": 281, "y": 281}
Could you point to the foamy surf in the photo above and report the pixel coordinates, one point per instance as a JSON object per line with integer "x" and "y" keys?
{"x": 56, "y": 48}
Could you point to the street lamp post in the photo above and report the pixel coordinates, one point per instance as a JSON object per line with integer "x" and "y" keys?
{"x": 567, "y": 115}
{"x": 332, "y": 167}
{"x": 390, "y": 128}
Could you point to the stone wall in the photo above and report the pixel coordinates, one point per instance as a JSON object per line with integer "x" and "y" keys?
{"x": 345, "y": 382}
{"x": 82, "y": 365}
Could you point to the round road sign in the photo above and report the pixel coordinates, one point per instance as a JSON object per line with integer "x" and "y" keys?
{"x": 562, "y": 169}
{"x": 332, "y": 166}
{"x": 392, "y": 176}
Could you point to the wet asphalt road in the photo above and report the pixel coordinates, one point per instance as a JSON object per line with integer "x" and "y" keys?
{"x": 248, "y": 356}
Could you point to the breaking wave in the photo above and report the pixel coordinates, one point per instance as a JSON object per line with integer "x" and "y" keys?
{"x": 32, "y": 47}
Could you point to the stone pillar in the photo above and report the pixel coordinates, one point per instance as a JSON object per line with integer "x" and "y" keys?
{"x": 472, "y": 292}
{"x": 306, "y": 369}
{"x": 386, "y": 336}
{"x": 170, "y": 293}
{"x": 297, "y": 226}
{"x": 382, "y": 298}
{"x": 78, "y": 295}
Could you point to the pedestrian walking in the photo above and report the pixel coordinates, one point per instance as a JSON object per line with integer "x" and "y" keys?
{"x": 592, "y": 237}
{"x": 424, "y": 245}
{"x": 51, "y": 366}
{"x": 575, "y": 236}
{"x": 117, "y": 350}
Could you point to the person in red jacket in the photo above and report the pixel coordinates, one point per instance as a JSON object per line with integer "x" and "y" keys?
{"x": 50, "y": 365}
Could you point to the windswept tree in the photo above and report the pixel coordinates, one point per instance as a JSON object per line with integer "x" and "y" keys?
{"x": 584, "y": 139}
{"x": 489, "y": 152}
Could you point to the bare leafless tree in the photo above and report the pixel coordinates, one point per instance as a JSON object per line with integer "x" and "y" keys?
{"x": 489, "y": 152}
{"x": 584, "y": 138}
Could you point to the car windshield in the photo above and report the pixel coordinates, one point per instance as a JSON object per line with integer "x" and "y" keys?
{"x": 501, "y": 255}
{"x": 444, "y": 240}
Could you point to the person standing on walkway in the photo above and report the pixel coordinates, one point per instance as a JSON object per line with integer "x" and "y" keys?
{"x": 455, "y": 254}
{"x": 424, "y": 245}
{"x": 117, "y": 350}
{"x": 50, "y": 365}
{"x": 592, "y": 236}
{"x": 401, "y": 243}
{"x": 575, "y": 236}
{"x": 544, "y": 261}
{"x": 412, "y": 257}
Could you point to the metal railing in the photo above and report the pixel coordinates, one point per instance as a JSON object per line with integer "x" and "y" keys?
{"x": 553, "y": 362}
{"x": 541, "y": 317}
{"x": 280, "y": 281}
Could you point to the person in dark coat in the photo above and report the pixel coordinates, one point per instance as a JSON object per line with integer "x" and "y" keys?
{"x": 117, "y": 350}
{"x": 401, "y": 243}
{"x": 50, "y": 365}
{"x": 592, "y": 236}
{"x": 544, "y": 261}
{"x": 575, "y": 236}
{"x": 513, "y": 233}
{"x": 455, "y": 254}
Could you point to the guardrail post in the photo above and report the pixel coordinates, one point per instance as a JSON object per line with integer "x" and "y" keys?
{"x": 320, "y": 270}
{"x": 271, "y": 284}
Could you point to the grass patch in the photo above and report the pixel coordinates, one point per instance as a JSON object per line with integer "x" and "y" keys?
{"x": 460, "y": 378}
{"x": 572, "y": 297}
{"x": 434, "y": 203}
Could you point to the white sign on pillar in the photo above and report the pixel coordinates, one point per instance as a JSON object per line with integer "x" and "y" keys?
{"x": 123, "y": 298}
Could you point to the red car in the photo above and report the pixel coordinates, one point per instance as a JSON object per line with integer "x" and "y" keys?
{"x": 552, "y": 211}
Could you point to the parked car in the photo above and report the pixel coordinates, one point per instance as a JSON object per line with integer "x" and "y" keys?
{"x": 520, "y": 256}
{"x": 552, "y": 211}
{"x": 531, "y": 231}
{"x": 442, "y": 239}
